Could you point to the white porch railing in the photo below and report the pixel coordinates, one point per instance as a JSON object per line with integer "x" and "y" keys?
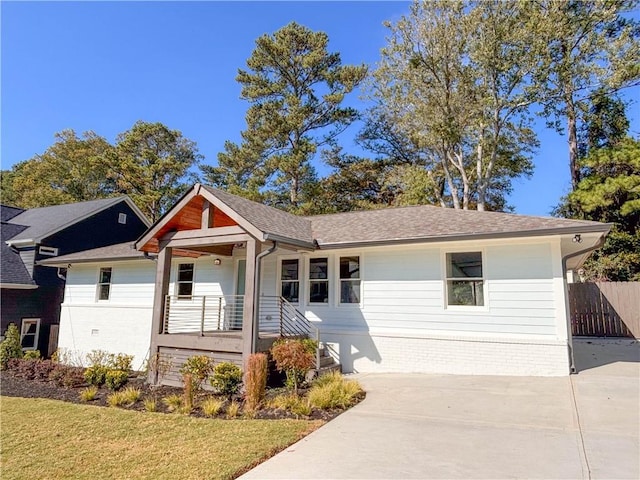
{"x": 202, "y": 313}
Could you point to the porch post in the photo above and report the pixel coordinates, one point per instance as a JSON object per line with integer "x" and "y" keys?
{"x": 249, "y": 307}
{"x": 163, "y": 269}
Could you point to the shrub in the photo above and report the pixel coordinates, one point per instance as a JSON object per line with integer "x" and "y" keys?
{"x": 226, "y": 378}
{"x": 159, "y": 366}
{"x": 67, "y": 376}
{"x": 294, "y": 358}
{"x": 255, "y": 381}
{"x": 124, "y": 398}
{"x": 212, "y": 406}
{"x": 173, "y": 402}
{"x": 22, "y": 368}
{"x": 116, "y": 379}
{"x": 32, "y": 355}
{"x": 121, "y": 362}
{"x": 96, "y": 375}
{"x": 233, "y": 409}
{"x": 42, "y": 369}
{"x": 292, "y": 403}
{"x": 98, "y": 358}
{"x": 88, "y": 394}
{"x": 150, "y": 404}
{"x": 10, "y": 346}
{"x": 334, "y": 392}
{"x": 199, "y": 366}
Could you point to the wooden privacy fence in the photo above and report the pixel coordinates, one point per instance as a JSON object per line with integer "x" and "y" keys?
{"x": 605, "y": 309}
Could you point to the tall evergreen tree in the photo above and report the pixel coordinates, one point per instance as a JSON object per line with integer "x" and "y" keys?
{"x": 296, "y": 90}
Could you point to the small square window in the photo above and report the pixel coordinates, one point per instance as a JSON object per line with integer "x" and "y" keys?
{"x": 122, "y": 218}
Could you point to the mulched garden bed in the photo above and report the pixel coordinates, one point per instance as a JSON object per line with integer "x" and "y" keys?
{"x": 15, "y": 386}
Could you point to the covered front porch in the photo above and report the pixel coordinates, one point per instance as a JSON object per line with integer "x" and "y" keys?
{"x": 235, "y": 320}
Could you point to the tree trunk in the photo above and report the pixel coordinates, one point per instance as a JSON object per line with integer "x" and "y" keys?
{"x": 572, "y": 131}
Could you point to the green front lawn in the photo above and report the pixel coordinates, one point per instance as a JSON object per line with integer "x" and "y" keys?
{"x": 52, "y": 439}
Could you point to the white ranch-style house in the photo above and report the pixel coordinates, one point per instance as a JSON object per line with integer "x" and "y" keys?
{"x": 411, "y": 289}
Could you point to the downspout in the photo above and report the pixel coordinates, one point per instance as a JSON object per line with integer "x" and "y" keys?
{"x": 256, "y": 293}
{"x": 572, "y": 366}
{"x": 62, "y": 276}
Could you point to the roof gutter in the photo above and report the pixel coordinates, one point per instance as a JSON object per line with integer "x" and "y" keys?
{"x": 599, "y": 243}
{"x": 18, "y": 286}
{"x": 256, "y": 293}
{"x": 289, "y": 241}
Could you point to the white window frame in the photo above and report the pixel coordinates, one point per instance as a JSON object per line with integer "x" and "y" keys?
{"x": 308, "y": 281}
{"x": 282, "y": 258}
{"x": 339, "y": 280}
{"x": 36, "y": 338}
{"x": 49, "y": 251}
{"x": 99, "y": 284}
{"x": 177, "y": 282}
{"x": 485, "y": 296}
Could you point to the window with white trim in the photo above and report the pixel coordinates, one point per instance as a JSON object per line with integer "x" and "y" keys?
{"x": 104, "y": 283}
{"x": 319, "y": 280}
{"x": 184, "y": 283}
{"x": 29, "y": 333}
{"x": 465, "y": 283}
{"x": 350, "y": 279}
{"x": 290, "y": 280}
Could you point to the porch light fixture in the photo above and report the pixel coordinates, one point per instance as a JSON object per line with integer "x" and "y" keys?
{"x": 239, "y": 245}
{"x": 217, "y": 261}
{"x": 577, "y": 238}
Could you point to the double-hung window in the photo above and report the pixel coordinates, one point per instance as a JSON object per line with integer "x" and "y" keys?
{"x": 465, "y": 283}
{"x": 184, "y": 285}
{"x": 104, "y": 283}
{"x": 290, "y": 280}
{"x": 319, "y": 280}
{"x": 350, "y": 279}
{"x": 29, "y": 333}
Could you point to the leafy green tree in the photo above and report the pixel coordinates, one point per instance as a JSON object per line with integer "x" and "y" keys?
{"x": 454, "y": 81}
{"x": 153, "y": 165}
{"x": 605, "y": 123}
{"x": 73, "y": 169}
{"x": 610, "y": 192}
{"x": 589, "y": 47}
{"x": 10, "y": 346}
{"x": 296, "y": 89}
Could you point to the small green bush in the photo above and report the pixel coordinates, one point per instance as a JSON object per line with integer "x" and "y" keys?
{"x": 233, "y": 409}
{"x": 32, "y": 355}
{"x": 116, "y": 379}
{"x": 10, "y": 346}
{"x": 88, "y": 394}
{"x": 173, "y": 402}
{"x": 226, "y": 378}
{"x": 212, "y": 406}
{"x": 199, "y": 367}
{"x": 96, "y": 375}
{"x": 121, "y": 362}
{"x": 150, "y": 404}
{"x": 292, "y": 403}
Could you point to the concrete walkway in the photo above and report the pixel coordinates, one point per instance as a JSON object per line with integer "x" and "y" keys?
{"x": 436, "y": 426}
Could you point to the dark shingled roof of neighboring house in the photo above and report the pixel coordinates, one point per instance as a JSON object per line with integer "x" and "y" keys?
{"x": 13, "y": 270}
{"x": 44, "y": 221}
{"x": 7, "y": 212}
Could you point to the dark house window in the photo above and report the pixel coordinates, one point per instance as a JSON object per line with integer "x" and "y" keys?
{"x": 185, "y": 279}
{"x": 319, "y": 280}
{"x": 290, "y": 280}
{"x": 104, "y": 283}
{"x": 350, "y": 279}
{"x": 29, "y": 333}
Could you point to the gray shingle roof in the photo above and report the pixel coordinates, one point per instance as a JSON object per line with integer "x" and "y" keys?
{"x": 47, "y": 220}
{"x": 13, "y": 270}
{"x": 427, "y": 222}
{"x": 119, "y": 251}
{"x": 7, "y": 212}
{"x": 267, "y": 219}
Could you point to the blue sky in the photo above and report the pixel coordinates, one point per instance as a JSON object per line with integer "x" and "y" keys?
{"x": 103, "y": 66}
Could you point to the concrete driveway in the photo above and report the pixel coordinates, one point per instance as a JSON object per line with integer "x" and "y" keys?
{"x": 437, "y": 426}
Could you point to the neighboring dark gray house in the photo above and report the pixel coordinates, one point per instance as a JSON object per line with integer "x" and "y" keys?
{"x": 31, "y": 294}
